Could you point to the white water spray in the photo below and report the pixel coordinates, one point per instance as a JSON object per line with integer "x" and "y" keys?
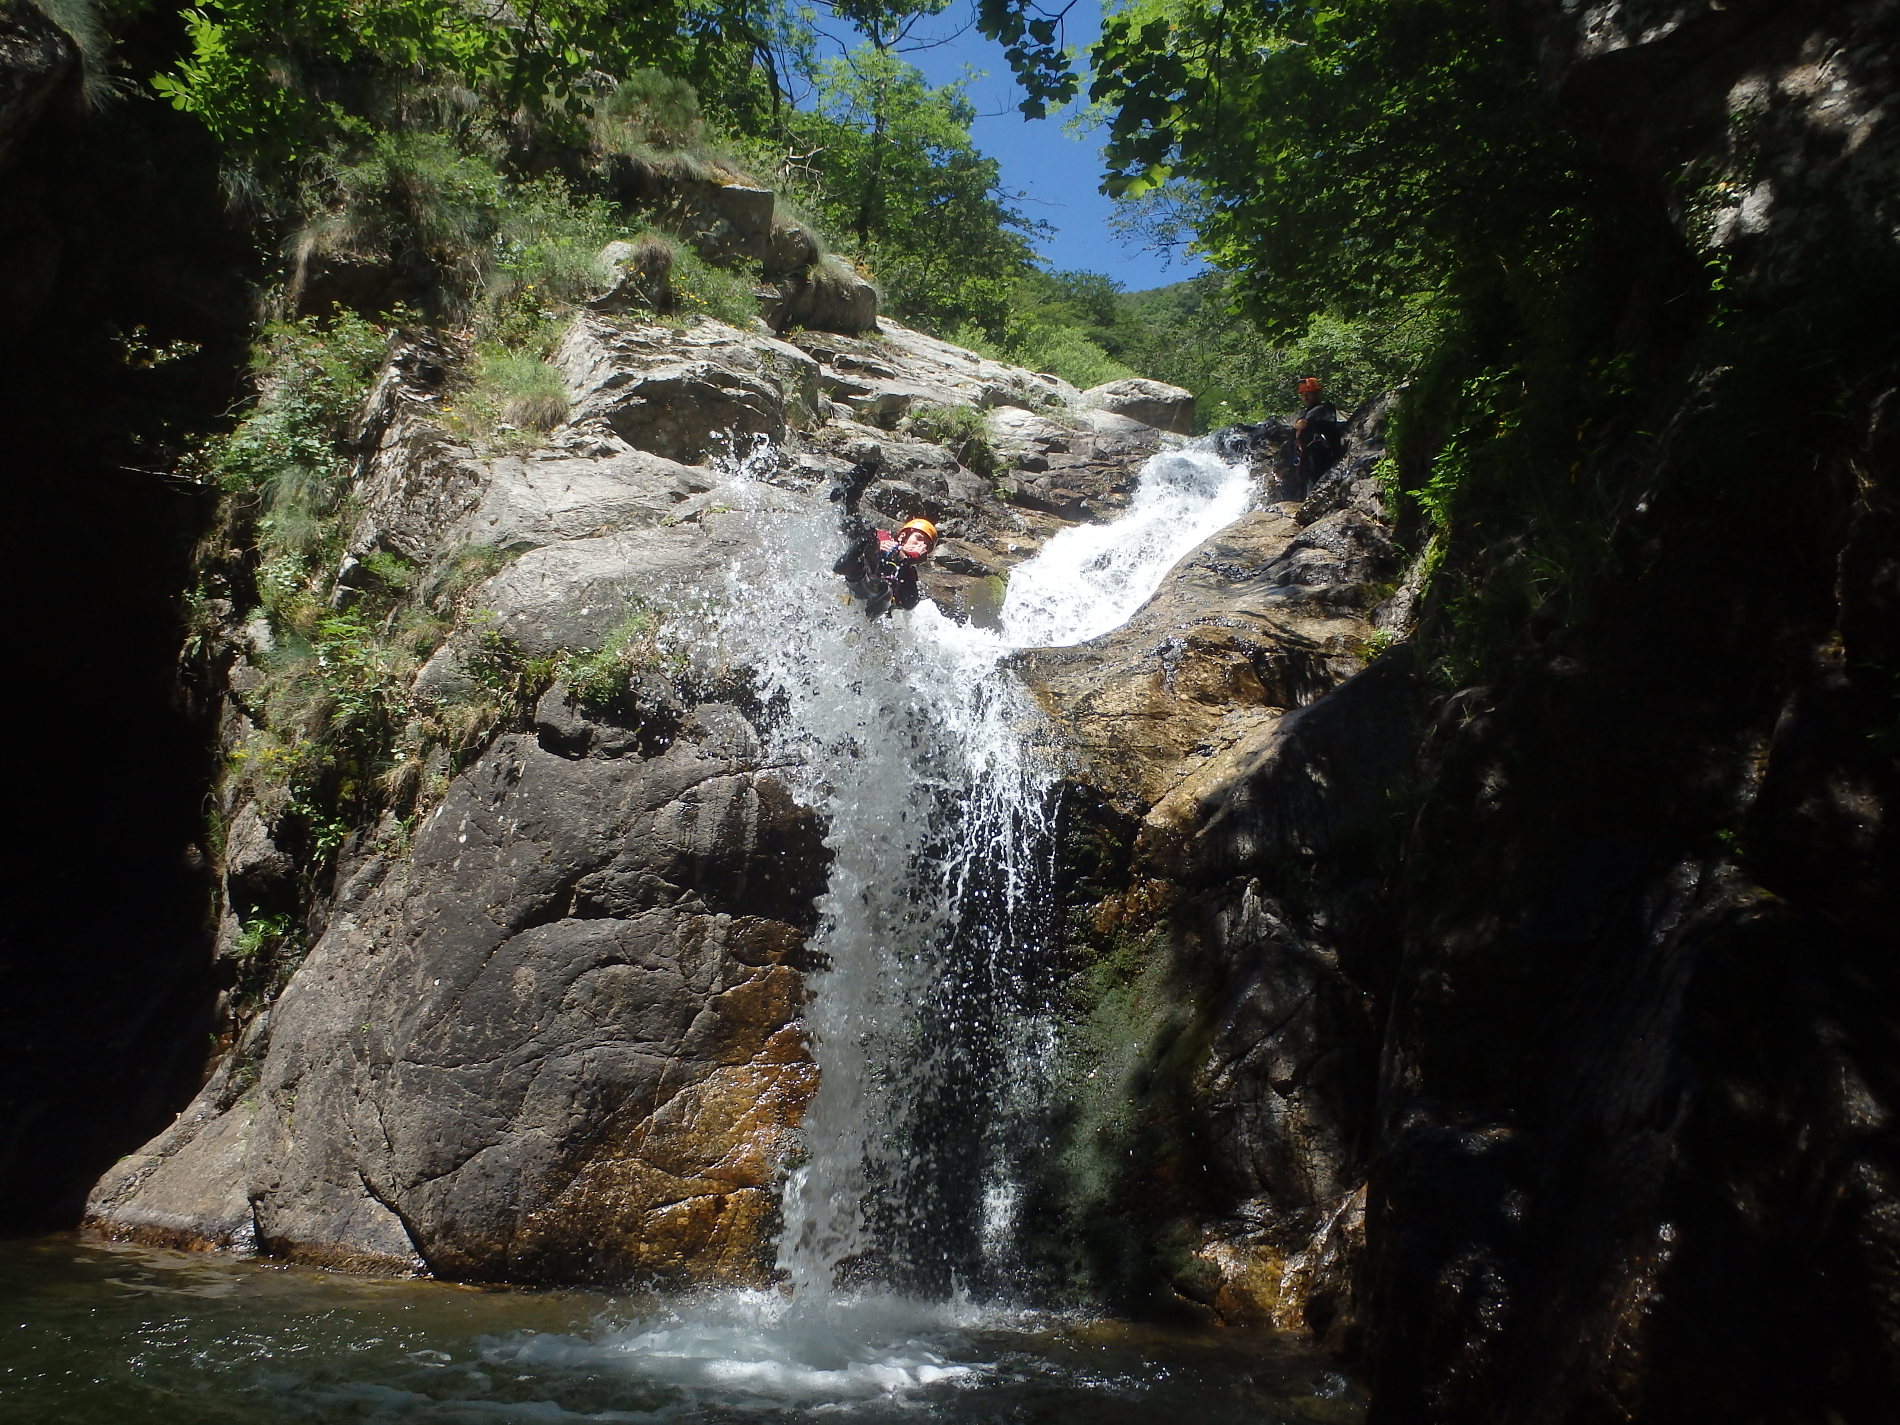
{"x": 930, "y": 1026}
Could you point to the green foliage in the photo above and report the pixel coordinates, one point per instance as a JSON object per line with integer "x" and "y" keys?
{"x": 457, "y": 235}
{"x": 544, "y": 258}
{"x": 276, "y": 82}
{"x": 962, "y": 430}
{"x": 314, "y": 374}
{"x": 653, "y": 109}
{"x": 1191, "y": 335}
{"x": 364, "y": 678}
{"x": 1065, "y": 352}
{"x": 597, "y": 678}
{"x": 497, "y": 661}
{"x": 1032, "y": 46}
{"x": 900, "y": 180}
{"x": 267, "y": 947}
{"x": 1355, "y": 154}
{"x": 701, "y": 289}
{"x": 1046, "y": 347}
{"x": 534, "y": 394}
{"x": 391, "y": 571}
{"x": 260, "y": 935}
{"x": 509, "y": 400}
{"x": 414, "y": 199}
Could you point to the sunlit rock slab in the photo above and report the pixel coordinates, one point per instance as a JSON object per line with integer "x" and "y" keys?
{"x": 1259, "y": 620}
{"x": 559, "y": 1043}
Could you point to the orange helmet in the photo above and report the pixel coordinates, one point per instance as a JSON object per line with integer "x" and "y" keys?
{"x": 1309, "y": 386}
{"x": 929, "y": 529}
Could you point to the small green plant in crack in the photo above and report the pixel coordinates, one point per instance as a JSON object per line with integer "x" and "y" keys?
{"x": 512, "y": 400}
{"x": 391, "y": 571}
{"x": 962, "y": 430}
{"x": 596, "y": 679}
{"x": 497, "y": 663}
{"x": 266, "y": 948}
{"x": 1375, "y": 643}
{"x": 260, "y": 935}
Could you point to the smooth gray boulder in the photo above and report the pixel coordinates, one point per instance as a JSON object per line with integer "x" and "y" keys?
{"x": 558, "y": 1044}
{"x": 1154, "y": 403}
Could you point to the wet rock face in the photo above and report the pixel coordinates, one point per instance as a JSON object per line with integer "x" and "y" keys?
{"x": 556, "y": 1037}
{"x": 831, "y": 297}
{"x": 1235, "y": 763}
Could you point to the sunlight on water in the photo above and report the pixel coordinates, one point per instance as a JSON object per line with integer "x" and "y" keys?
{"x": 932, "y": 1027}
{"x": 103, "y": 1335}
{"x": 1092, "y": 578}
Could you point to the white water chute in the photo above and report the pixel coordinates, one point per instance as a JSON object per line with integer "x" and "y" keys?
{"x": 1091, "y": 579}
{"x": 930, "y": 1027}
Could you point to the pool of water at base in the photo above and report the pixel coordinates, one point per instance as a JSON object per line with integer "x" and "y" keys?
{"x": 98, "y": 1332}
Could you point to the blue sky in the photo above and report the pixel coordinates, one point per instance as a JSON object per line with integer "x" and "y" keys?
{"x": 1055, "y": 174}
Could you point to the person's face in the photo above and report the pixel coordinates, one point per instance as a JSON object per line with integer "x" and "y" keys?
{"x": 913, "y": 544}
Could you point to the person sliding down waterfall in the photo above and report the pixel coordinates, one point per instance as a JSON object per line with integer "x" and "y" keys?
{"x": 880, "y": 567}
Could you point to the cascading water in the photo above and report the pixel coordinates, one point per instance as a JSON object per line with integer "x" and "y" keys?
{"x": 931, "y": 1027}
{"x": 913, "y": 739}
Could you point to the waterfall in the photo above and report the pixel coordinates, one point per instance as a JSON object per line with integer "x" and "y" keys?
{"x": 932, "y": 1023}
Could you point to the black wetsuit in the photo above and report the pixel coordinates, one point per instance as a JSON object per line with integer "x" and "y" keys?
{"x": 875, "y": 570}
{"x": 1310, "y": 453}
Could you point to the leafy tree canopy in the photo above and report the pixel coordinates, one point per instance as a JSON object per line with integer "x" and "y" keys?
{"x": 276, "y": 79}
{"x": 1338, "y": 157}
{"x": 901, "y": 178}
{"x": 1354, "y": 153}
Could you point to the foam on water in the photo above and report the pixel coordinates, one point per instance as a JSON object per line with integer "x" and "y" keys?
{"x": 744, "y": 1344}
{"x": 932, "y": 1024}
{"x": 932, "y": 1027}
{"x": 98, "y": 1332}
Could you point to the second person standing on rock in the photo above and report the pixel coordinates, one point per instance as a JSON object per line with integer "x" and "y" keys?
{"x": 880, "y": 567}
{"x": 1316, "y": 436}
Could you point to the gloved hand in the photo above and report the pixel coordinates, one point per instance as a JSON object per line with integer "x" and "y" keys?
{"x": 851, "y": 484}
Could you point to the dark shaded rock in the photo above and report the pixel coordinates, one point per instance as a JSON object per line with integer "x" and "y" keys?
{"x": 828, "y": 297}
{"x": 124, "y": 317}
{"x": 642, "y": 278}
{"x": 789, "y": 250}
{"x": 257, "y": 872}
{"x": 1638, "y": 1092}
{"x": 724, "y": 214}
{"x": 37, "y": 61}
